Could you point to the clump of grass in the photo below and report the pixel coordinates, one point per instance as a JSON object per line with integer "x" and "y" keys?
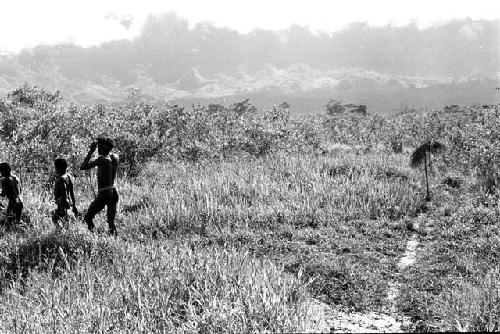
{"x": 160, "y": 289}
{"x": 452, "y": 182}
{"x": 472, "y": 306}
{"x": 142, "y": 203}
{"x": 390, "y": 173}
{"x": 341, "y": 170}
{"x": 56, "y": 253}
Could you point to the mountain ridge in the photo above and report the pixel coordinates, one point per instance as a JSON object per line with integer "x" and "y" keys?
{"x": 386, "y": 68}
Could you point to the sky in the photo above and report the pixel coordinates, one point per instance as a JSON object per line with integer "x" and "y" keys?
{"x": 27, "y": 23}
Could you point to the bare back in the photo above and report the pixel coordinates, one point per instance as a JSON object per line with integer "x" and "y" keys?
{"x": 62, "y": 189}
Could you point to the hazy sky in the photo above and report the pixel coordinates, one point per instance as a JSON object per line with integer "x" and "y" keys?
{"x": 25, "y": 23}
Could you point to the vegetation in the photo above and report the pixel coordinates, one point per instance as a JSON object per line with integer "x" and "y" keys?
{"x": 232, "y": 219}
{"x": 423, "y": 156}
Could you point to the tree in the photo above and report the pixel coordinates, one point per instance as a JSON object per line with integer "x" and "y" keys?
{"x": 422, "y": 154}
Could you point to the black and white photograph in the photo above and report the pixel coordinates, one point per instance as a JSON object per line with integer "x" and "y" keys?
{"x": 249, "y": 166}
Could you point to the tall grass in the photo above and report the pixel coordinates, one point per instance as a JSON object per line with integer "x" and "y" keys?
{"x": 472, "y": 306}
{"x": 163, "y": 287}
{"x": 284, "y": 189}
{"x": 453, "y": 285}
{"x": 235, "y": 245}
{"x": 241, "y": 219}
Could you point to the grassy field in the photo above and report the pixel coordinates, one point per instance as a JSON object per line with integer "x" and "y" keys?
{"x": 231, "y": 221}
{"x": 240, "y": 246}
{"x": 233, "y": 246}
{"x": 454, "y": 285}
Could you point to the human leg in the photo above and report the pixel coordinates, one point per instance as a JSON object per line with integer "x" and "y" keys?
{"x": 13, "y": 212}
{"x": 8, "y": 215}
{"x": 59, "y": 216}
{"x": 18, "y": 210}
{"x": 111, "y": 211}
{"x": 95, "y": 207}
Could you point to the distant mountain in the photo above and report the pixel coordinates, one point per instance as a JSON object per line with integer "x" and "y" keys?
{"x": 385, "y": 68}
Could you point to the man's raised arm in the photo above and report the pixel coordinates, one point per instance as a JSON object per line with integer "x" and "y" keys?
{"x": 87, "y": 164}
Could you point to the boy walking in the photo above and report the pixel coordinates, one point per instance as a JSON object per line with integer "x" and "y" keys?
{"x": 11, "y": 188}
{"x": 107, "y": 195}
{"x": 63, "y": 193}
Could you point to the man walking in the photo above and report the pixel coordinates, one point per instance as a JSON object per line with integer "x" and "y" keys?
{"x": 107, "y": 195}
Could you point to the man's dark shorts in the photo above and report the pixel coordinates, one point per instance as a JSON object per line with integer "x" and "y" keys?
{"x": 107, "y": 197}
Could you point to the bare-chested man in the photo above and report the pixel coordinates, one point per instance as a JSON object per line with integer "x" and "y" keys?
{"x": 11, "y": 188}
{"x": 107, "y": 165}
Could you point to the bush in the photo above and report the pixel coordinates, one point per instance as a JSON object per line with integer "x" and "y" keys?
{"x": 38, "y": 125}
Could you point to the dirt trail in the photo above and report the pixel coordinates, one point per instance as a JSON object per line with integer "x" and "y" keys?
{"x": 325, "y": 319}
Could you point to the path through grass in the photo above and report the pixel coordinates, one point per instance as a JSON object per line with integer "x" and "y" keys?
{"x": 270, "y": 232}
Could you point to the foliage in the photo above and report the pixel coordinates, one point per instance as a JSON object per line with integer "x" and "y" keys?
{"x": 419, "y": 155}
{"x": 37, "y": 125}
{"x": 250, "y": 209}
